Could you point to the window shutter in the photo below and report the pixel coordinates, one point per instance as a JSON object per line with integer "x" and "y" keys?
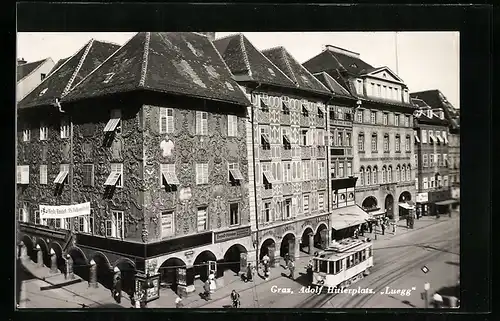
{"x": 198, "y": 122}
{"x": 170, "y": 120}
{"x": 198, "y": 173}
{"x": 204, "y": 123}
{"x": 235, "y": 125}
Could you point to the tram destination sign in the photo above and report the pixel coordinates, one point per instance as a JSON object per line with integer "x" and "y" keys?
{"x": 232, "y": 234}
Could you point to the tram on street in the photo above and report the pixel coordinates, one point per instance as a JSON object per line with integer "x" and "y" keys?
{"x": 343, "y": 263}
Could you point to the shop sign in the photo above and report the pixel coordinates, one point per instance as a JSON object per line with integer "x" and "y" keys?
{"x": 422, "y": 197}
{"x": 323, "y": 218}
{"x": 232, "y": 234}
{"x": 64, "y": 211}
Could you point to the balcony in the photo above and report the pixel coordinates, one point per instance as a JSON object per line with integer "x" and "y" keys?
{"x": 306, "y": 152}
{"x": 286, "y": 153}
{"x": 264, "y": 154}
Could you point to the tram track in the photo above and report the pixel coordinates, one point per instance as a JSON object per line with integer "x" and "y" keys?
{"x": 320, "y": 300}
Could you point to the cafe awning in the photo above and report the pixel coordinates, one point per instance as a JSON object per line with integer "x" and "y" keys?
{"x": 406, "y": 206}
{"x": 377, "y": 213}
{"x": 447, "y": 202}
{"x": 111, "y": 125}
{"x": 348, "y": 216}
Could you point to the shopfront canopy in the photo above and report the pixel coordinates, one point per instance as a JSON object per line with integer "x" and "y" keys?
{"x": 406, "y": 206}
{"x": 348, "y": 216}
{"x": 447, "y": 202}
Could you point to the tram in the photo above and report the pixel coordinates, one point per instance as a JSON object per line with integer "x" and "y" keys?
{"x": 343, "y": 263}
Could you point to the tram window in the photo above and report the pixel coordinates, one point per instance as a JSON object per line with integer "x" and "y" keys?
{"x": 363, "y": 255}
{"x": 349, "y": 261}
{"x": 323, "y": 266}
{"x": 331, "y": 267}
{"x": 316, "y": 265}
{"x": 356, "y": 258}
{"x": 369, "y": 252}
{"x": 338, "y": 266}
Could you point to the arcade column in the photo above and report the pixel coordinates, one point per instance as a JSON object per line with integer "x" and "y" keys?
{"x": 311, "y": 243}
{"x": 39, "y": 256}
{"x": 69, "y": 267}
{"x": 23, "y": 251}
{"x": 93, "y": 274}
{"x": 53, "y": 261}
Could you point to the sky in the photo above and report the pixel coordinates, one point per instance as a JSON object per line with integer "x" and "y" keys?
{"x": 426, "y": 60}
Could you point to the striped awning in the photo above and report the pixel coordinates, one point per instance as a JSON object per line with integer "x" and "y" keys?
{"x": 441, "y": 140}
{"x": 61, "y": 177}
{"x": 170, "y": 178}
{"x": 236, "y": 174}
{"x": 417, "y": 139}
{"x": 269, "y": 177}
{"x": 112, "y": 179}
{"x": 286, "y": 139}
{"x": 111, "y": 125}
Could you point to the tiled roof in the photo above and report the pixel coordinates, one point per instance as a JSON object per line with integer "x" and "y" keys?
{"x": 68, "y": 73}
{"x": 173, "y": 62}
{"x": 242, "y": 57}
{"x": 332, "y": 84}
{"x": 436, "y": 99}
{"x": 328, "y": 61}
{"x": 58, "y": 64}
{"x": 420, "y": 103}
{"x": 26, "y": 69}
{"x": 294, "y": 70}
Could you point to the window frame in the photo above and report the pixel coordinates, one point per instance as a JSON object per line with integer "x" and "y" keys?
{"x": 207, "y": 223}
{"x": 43, "y": 174}
{"x": 201, "y": 173}
{"x": 232, "y": 126}
{"x": 85, "y": 166}
{"x": 238, "y": 221}
{"x": 44, "y": 130}
{"x": 120, "y": 181}
{"x": 166, "y": 121}
{"x": 64, "y": 127}
{"x": 201, "y": 123}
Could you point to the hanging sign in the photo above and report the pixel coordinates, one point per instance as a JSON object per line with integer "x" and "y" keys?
{"x": 64, "y": 211}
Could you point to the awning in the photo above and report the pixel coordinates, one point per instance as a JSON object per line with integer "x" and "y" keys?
{"x": 432, "y": 138}
{"x": 170, "y": 177}
{"x": 377, "y": 213}
{"x": 406, "y": 206}
{"x": 447, "y": 202}
{"x": 236, "y": 174}
{"x": 286, "y": 139}
{"x": 269, "y": 177}
{"x": 348, "y": 216}
{"x": 284, "y": 106}
{"x": 61, "y": 177}
{"x": 322, "y": 108}
{"x": 112, "y": 179}
{"x": 265, "y": 137}
{"x": 445, "y": 140}
{"x": 440, "y": 139}
{"x": 263, "y": 104}
{"x": 111, "y": 125}
{"x": 417, "y": 139}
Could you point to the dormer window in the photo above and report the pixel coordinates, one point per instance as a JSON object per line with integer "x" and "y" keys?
{"x": 359, "y": 86}
{"x": 353, "y": 65}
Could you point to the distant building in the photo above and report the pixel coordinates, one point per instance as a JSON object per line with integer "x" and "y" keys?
{"x": 153, "y": 135}
{"x": 30, "y": 75}
{"x": 383, "y": 131}
{"x": 450, "y": 118}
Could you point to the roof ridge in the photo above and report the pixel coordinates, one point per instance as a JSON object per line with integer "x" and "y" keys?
{"x": 272, "y": 48}
{"x": 77, "y": 69}
{"x": 145, "y": 56}
{"x": 37, "y": 67}
{"x": 227, "y": 68}
{"x": 287, "y": 63}
{"x": 245, "y": 55}
{"x": 90, "y": 73}
{"x": 107, "y": 41}
{"x": 231, "y": 35}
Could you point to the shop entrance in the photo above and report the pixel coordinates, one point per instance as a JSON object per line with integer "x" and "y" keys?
{"x": 389, "y": 206}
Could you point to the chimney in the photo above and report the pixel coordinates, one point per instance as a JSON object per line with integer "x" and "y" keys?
{"x": 210, "y": 35}
{"x": 21, "y": 61}
{"x": 342, "y": 51}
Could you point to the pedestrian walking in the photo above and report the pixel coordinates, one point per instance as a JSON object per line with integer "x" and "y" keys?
{"x": 287, "y": 260}
{"x": 370, "y": 226}
{"x": 310, "y": 272}
{"x": 206, "y": 288}
{"x": 249, "y": 273}
{"x": 383, "y": 229}
{"x": 235, "y": 298}
{"x": 291, "y": 267}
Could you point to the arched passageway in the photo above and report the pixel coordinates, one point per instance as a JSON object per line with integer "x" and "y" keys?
{"x": 304, "y": 244}
{"x": 267, "y": 248}
{"x": 404, "y": 197}
{"x": 61, "y": 263}
{"x": 232, "y": 258}
{"x": 128, "y": 271}
{"x": 45, "y": 251}
{"x": 389, "y": 206}
{"x": 80, "y": 264}
{"x": 288, "y": 245}
{"x": 320, "y": 238}
{"x": 200, "y": 265}
{"x": 30, "y": 247}
{"x": 369, "y": 204}
{"x": 104, "y": 270}
{"x": 168, "y": 272}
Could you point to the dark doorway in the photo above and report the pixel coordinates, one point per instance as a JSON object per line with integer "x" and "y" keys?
{"x": 168, "y": 272}
{"x": 201, "y": 264}
{"x": 286, "y": 245}
{"x": 128, "y": 272}
{"x": 370, "y": 204}
{"x": 320, "y": 236}
{"x": 232, "y": 258}
{"x": 104, "y": 271}
{"x": 389, "y": 206}
{"x": 80, "y": 264}
{"x": 30, "y": 248}
{"x": 305, "y": 239}
{"x": 264, "y": 249}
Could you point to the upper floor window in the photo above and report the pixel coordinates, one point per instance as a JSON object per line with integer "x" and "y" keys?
{"x": 23, "y": 174}
{"x": 115, "y": 122}
{"x": 264, "y": 137}
{"x": 407, "y": 143}
{"x": 374, "y": 142}
{"x": 396, "y": 120}
{"x": 234, "y": 214}
{"x": 42, "y": 76}
{"x": 361, "y": 142}
{"x": 115, "y": 225}
{"x": 201, "y": 123}
{"x": 398, "y": 143}
{"x": 26, "y": 134}
{"x": 88, "y": 175}
{"x": 232, "y": 125}
{"x": 405, "y": 96}
{"x": 386, "y": 143}
{"x": 320, "y": 113}
{"x": 348, "y": 139}
{"x": 287, "y": 144}
{"x": 305, "y": 137}
{"x": 264, "y": 103}
{"x": 359, "y": 116}
{"x": 235, "y": 175}
{"x": 407, "y": 121}
{"x": 202, "y": 218}
{"x": 373, "y": 117}
{"x": 167, "y": 223}
{"x": 44, "y": 131}
{"x": 361, "y": 176}
{"x": 359, "y": 86}
{"x": 168, "y": 176}
{"x": 166, "y": 120}
{"x": 201, "y": 174}
{"x": 379, "y": 90}
{"x": 305, "y": 111}
{"x": 385, "y": 119}
{"x": 115, "y": 178}
{"x": 425, "y": 183}
{"x": 424, "y": 136}
{"x": 285, "y": 109}
{"x": 65, "y": 127}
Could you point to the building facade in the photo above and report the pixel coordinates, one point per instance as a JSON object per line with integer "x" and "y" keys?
{"x": 382, "y": 130}
{"x": 30, "y": 75}
{"x": 286, "y": 139}
{"x": 165, "y": 172}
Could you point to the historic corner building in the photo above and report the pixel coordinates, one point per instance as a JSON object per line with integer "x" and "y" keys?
{"x": 155, "y": 139}
{"x": 382, "y": 131}
{"x": 434, "y": 157}
{"x": 287, "y": 148}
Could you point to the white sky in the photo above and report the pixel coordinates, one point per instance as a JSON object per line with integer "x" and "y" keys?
{"x": 427, "y": 60}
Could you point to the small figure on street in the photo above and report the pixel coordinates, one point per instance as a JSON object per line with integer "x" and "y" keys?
{"x": 235, "y": 298}
{"x": 287, "y": 259}
{"x": 370, "y": 226}
{"x": 291, "y": 267}
{"x": 265, "y": 263}
{"x": 249, "y": 274}
{"x": 211, "y": 279}
{"x": 178, "y": 303}
{"x": 356, "y": 233}
{"x": 117, "y": 287}
{"x": 383, "y": 229}
{"x": 206, "y": 288}
{"x": 310, "y": 272}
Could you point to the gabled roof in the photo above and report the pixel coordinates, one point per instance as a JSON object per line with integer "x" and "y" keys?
{"x": 242, "y": 57}
{"x": 58, "y": 64}
{"x": 181, "y": 63}
{"x": 329, "y": 60}
{"x": 69, "y": 72}
{"x": 26, "y": 69}
{"x": 302, "y": 78}
{"x": 420, "y": 103}
{"x": 332, "y": 84}
{"x": 435, "y": 99}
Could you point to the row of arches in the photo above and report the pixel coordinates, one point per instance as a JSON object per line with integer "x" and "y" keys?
{"x": 370, "y": 203}
{"x": 370, "y": 175}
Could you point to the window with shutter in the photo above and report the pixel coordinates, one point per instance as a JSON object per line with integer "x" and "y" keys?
{"x": 43, "y": 174}
{"x": 232, "y": 123}
{"x": 202, "y": 219}
{"x": 167, "y": 224}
